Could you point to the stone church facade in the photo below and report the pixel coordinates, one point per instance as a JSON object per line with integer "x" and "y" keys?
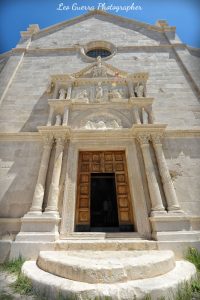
{"x": 99, "y": 137}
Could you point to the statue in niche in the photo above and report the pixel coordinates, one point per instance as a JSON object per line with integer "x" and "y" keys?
{"x": 83, "y": 95}
{"x": 62, "y": 94}
{"x": 114, "y": 94}
{"x": 139, "y": 90}
{"x": 99, "y": 70}
{"x": 58, "y": 120}
{"x": 99, "y": 91}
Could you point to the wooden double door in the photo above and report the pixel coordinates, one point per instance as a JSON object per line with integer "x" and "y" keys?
{"x": 103, "y": 196}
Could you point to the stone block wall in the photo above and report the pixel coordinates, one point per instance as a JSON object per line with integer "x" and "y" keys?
{"x": 19, "y": 167}
{"x": 183, "y": 159}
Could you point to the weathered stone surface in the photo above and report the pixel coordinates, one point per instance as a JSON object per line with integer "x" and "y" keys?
{"x": 106, "y": 266}
{"x": 163, "y": 285}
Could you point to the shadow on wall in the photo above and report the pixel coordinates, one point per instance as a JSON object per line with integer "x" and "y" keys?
{"x": 38, "y": 116}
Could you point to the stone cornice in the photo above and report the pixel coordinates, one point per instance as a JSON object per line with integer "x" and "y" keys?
{"x": 55, "y": 131}
{"x": 110, "y": 17}
{"x": 73, "y": 49}
{"x": 121, "y": 103}
{"x": 148, "y": 129}
{"x": 112, "y": 133}
{"x": 180, "y": 133}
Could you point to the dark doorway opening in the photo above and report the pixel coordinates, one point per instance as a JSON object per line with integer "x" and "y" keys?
{"x": 103, "y": 203}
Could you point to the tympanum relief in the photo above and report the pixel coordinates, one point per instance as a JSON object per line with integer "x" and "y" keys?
{"x": 102, "y": 124}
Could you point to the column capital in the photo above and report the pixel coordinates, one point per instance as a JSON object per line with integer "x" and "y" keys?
{"x": 47, "y": 139}
{"x": 156, "y": 138}
{"x": 60, "y": 140}
{"x": 143, "y": 139}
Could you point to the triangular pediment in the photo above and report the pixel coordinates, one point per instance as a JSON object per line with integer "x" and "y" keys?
{"x": 100, "y": 70}
{"x": 106, "y": 16}
{"x": 80, "y": 30}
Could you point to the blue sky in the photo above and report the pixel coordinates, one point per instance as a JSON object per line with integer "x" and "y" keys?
{"x": 16, "y": 15}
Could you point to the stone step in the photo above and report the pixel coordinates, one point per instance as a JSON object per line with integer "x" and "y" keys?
{"x": 102, "y": 235}
{"x": 106, "y": 244}
{"x": 106, "y": 266}
{"x": 178, "y": 236}
{"x": 52, "y": 286}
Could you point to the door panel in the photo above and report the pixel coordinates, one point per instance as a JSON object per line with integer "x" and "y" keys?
{"x": 102, "y": 162}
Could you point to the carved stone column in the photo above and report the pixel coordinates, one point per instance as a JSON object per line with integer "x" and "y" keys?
{"x": 52, "y": 204}
{"x": 156, "y": 200}
{"x": 136, "y": 115}
{"x": 51, "y": 111}
{"x": 130, "y": 88}
{"x": 168, "y": 186}
{"x": 151, "y": 117}
{"x": 40, "y": 185}
{"x": 66, "y": 115}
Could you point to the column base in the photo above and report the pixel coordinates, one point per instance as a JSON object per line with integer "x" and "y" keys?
{"x": 155, "y": 213}
{"x": 175, "y": 210}
{"x": 169, "y": 223}
{"x": 39, "y": 228}
{"x": 51, "y": 213}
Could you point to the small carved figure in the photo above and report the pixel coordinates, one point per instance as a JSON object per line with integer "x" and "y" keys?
{"x": 62, "y": 94}
{"x": 114, "y": 94}
{"x": 89, "y": 125}
{"x": 99, "y": 61}
{"x": 102, "y": 124}
{"x": 58, "y": 120}
{"x": 99, "y": 70}
{"x": 114, "y": 124}
{"x": 99, "y": 91}
{"x": 82, "y": 95}
{"x": 139, "y": 90}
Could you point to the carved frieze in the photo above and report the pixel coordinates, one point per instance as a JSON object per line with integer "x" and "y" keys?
{"x": 98, "y": 82}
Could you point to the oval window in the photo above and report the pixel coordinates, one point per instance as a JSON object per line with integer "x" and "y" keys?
{"x": 98, "y": 52}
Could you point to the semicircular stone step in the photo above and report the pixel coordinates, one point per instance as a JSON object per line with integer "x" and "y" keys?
{"x": 106, "y": 266}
